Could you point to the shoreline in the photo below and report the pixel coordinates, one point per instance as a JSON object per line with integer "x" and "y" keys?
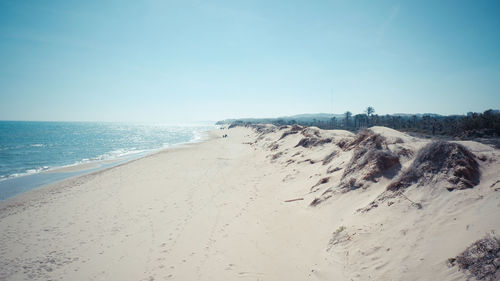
{"x": 14, "y": 186}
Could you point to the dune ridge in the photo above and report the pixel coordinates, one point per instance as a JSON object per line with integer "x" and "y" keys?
{"x": 405, "y": 175}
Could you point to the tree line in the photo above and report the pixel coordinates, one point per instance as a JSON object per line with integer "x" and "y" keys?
{"x": 486, "y": 124}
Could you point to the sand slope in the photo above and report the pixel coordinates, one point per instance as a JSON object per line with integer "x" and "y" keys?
{"x": 217, "y": 211}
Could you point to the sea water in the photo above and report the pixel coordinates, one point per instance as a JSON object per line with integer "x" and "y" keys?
{"x": 33, "y": 148}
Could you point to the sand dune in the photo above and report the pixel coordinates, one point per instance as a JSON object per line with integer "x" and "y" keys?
{"x": 224, "y": 209}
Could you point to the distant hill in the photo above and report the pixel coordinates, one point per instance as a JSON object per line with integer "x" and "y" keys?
{"x": 417, "y": 114}
{"x": 315, "y": 116}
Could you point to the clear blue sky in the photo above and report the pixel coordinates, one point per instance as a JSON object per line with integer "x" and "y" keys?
{"x": 168, "y": 61}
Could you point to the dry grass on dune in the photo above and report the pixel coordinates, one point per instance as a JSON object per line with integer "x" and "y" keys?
{"x": 371, "y": 160}
{"x": 369, "y": 164}
{"x": 403, "y": 152}
{"x": 276, "y": 156}
{"x": 330, "y": 157}
{"x": 481, "y": 259}
{"x": 365, "y": 138}
{"x": 313, "y": 141}
{"x": 315, "y": 187}
{"x": 310, "y": 132}
{"x": 294, "y": 129}
{"x": 287, "y": 133}
{"x": 259, "y": 128}
{"x": 312, "y": 138}
{"x": 441, "y": 160}
{"x": 437, "y": 162}
{"x": 273, "y": 146}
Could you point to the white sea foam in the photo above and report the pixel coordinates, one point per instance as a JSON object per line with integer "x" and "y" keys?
{"x": 172, "y": 135}
{"x": 25, "y": 173}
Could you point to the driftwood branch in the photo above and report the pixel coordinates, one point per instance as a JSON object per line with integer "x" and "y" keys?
{"x": 417, "y": 205}
{"x": 296, "y": 199}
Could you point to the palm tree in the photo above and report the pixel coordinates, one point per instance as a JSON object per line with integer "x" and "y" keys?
{"x": 347, "y": 116}
{"x": 333, "y": 123}
{"x": 369, "y": 111}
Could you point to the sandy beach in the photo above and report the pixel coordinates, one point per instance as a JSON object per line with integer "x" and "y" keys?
{"x": 218, "y": 210}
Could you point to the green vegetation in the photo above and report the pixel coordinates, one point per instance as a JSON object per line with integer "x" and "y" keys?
{"x": 486, "y": 124}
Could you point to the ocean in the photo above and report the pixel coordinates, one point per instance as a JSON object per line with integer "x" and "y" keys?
{"x": 30, "y": 150}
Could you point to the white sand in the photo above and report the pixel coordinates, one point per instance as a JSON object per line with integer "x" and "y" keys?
{"x": 216, "y": 211}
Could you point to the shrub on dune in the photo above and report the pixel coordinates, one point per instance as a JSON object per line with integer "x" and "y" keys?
{"x": 452, "y": 162}
{"x": 371, "y": 159}
{"x": 366, "y": 138}
{"x": 368, "y": 164}
{"x": 481, "y": 259}
{"x": 312, "y": 141}
{"x": 329, "y": 157}
{"x": 287, "y": 133}
{"x": 373, "y": 162}
{"x": 293, "y": 130}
